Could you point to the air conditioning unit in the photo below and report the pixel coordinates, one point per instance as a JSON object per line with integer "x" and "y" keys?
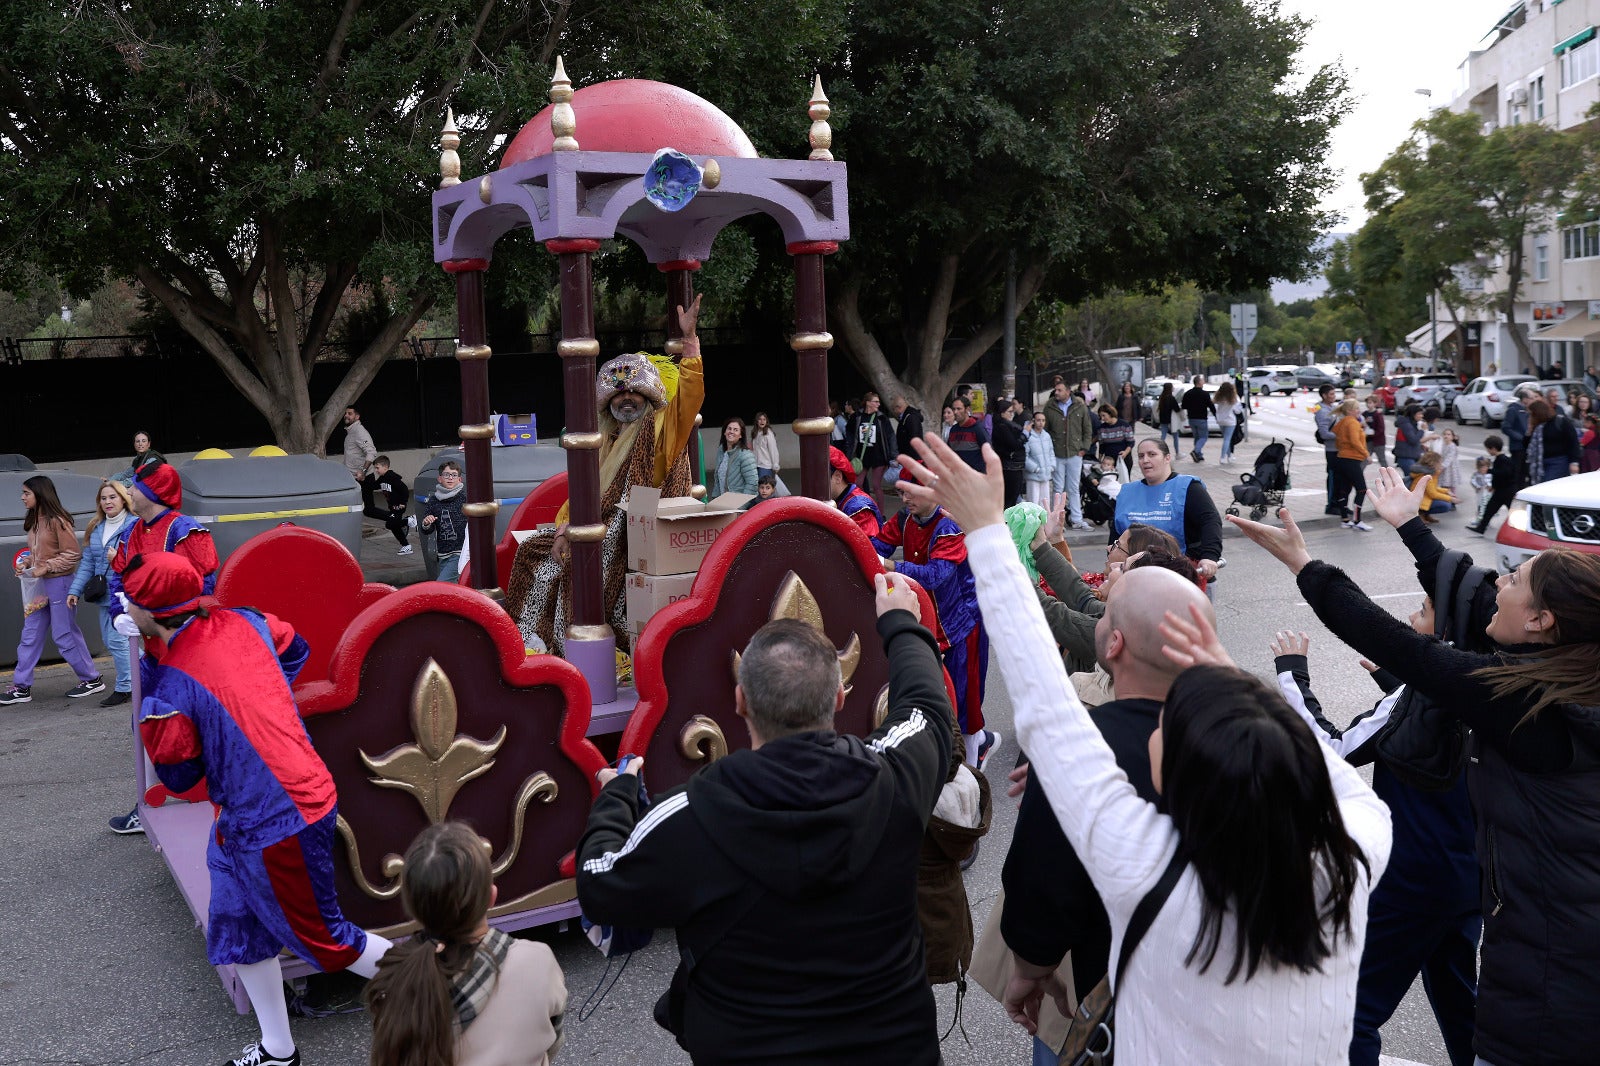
{"x": 1519, "y": 96}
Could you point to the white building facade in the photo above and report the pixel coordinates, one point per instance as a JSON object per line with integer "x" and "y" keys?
{"x": 1542, "y": 64}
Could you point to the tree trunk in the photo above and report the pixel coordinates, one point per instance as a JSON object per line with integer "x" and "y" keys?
{"x": 1513, "y": 283}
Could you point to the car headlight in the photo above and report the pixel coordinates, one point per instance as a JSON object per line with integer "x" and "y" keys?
{"x": 1519, "y": 516}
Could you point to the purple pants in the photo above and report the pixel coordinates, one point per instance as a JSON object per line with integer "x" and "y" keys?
{"x": 63, "y": 628}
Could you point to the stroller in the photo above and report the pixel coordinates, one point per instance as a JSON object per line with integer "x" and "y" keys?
{"x": 1097, "y": 506}
{"x": 1264, "y": 487}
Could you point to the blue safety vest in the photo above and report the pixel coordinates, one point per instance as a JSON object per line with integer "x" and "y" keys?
{"x": 1160, "y": 506}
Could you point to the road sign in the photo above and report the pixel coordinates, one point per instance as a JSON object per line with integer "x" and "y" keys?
{"x": 1361, "y": 347}
{"x": 1242, "y": 319}
{"x": 1343, "y": 348}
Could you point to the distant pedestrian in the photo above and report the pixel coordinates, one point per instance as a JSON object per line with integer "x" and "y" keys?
{"x": 909, "y": 426}
{"x": 1230, "y": 419}
{"x": 736, "y": 462}
{"x": 359, "y": 454}
{"x": 764, "y": 445}
{"x": 837, "y": 413}
{"x": 143, "y": 455}
{"x": 1502, "y": 482}
{"x": 397, "y": 496}
{"x": 967, "y": 436}
{"x": 1407, "y": 439}
{"x": 1039, "y": 462}
{"x": 1012, "y": 447}
{"x": 1198, "y": 406}
{"x": 1323, "y": 417}
{"x": 870, "y": 436}
{"x": 45, "y": 571}
{"x": 946, "y": 419}
{"x": 1168, "y": 414}
{"x": 444, "y": 518}
{"x": 1589, "y": 444}
{"x": 1115, "y": 436}
{"x": 1377, "y": 431}
{"x": 1350, "y": 433}
{"x": 1553, "y": 450}
{"x": 1071, "y": 433}
{"x": 91, "y": 582}
{"x": 1128, "y": 403}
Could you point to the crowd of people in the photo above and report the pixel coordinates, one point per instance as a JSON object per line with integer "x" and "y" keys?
{"x": 1190, "y": 840}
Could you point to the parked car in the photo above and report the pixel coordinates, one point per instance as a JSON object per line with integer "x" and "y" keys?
{"x": 1567, "y": 387}
{"x": 1341, "y": 376}
{"x": 1562, "y": 513}
{"x": 1484, "y": 400}
{"x": 1266, "y": 380}
{"x": 1313, "y": 377}
{"x": 1386, "y": 388}
{"x": 1152, "y": 393}
{"x": 1440, "y": 389}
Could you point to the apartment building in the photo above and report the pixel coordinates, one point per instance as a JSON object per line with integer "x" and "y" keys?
{"x": 1539, "y": 63}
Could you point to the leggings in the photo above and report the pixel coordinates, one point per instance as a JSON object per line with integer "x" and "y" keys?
{"x": 1349, "y": 476}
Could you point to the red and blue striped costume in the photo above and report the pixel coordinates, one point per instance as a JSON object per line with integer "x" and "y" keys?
{"x": 218, "y": 707}
{"x": 172, "y": 531}
{"x": 935, "y": 556}
{"x": 860, "y": 508}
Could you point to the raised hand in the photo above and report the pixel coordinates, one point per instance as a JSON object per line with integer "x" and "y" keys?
{"x": 1193, "y": 641}
{"x": 1287, "y": 545}
{"x": 1287, "y": 643}
{"x": 1387, "y": 494}
{"x": 690, "y": 317}
{"x": 974, "y": 500}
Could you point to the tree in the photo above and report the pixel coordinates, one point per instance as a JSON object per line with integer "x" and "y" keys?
{"x": 1456, "y": 196}
{"x": 1108, "y": 144}
{"x": 1055, "y": 329}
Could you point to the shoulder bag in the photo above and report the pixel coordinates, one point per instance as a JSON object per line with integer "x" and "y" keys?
{"x": 1090, "y": 1037}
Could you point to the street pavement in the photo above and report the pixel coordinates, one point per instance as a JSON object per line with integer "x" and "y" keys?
{"x": 102, "y": 962}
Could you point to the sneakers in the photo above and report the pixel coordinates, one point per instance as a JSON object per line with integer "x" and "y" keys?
{"x": 991, "y": 744}
{"x": 128, "y": 824}
{"x": 86, "y": 688}
{"x": 407, "y": 550}
{"x": 116, "y": 699}
{"x": 16, "y": 694}
{"x": 254, "y": 1056}
{"x": 1479, "y": 530}
{"x": 1081, "y": 524}
{"x": 1197, "y": 457}
{"x": 1347, "y": 524}
{"x": 1359, "y": 526}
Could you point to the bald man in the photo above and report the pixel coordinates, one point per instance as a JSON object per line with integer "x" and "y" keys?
{"x": 1051, "y": 906}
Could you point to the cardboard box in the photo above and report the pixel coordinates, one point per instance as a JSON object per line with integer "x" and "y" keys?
{"x": 648, "y": 594}
{"x": 672, "y": 535}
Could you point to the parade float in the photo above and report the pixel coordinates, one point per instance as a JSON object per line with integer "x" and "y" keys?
{"x": 424, "y": 701}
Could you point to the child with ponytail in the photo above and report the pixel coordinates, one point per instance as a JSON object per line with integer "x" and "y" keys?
{"x": 459, "y": 993}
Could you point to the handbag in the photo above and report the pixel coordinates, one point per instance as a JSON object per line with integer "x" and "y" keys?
{"x": 95, "y": 589}
{"x": 1091, "y": 1036}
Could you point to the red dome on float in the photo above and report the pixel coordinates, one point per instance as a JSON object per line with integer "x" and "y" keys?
{"x": 634, "y": 115}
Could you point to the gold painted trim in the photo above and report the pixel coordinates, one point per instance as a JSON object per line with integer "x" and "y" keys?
{"x": 880, "y": 707}
{"x": 812, "y": 427}
{"x": 701, "y": 738}
{"x": 392, "y": 864}
{"x": 697, "y": 492}
{"x": 582, "y": 441}
{"x": 466, "y": 352}
{"x": 578, "y": 348}
{"x": 483, "y": 431}
{"x": 487, "y": 509}
{"x": 496, "y": 594}
{"x": 811, "y": 342}
{"x": 485, "y": 189}
{"x": 587, "y": 534}
{"x": 673, "y": 347}
{"x": 541, "y": 785}
{"x": 449, "y": 160}
{"x": 563, "y": 120}
{"x": 589, "y": 632}
{"x": 555, "y": 892}
{"x": 698, "y": 420}
{"x": 820, "y": 135}
{"x": 711, "y": 174}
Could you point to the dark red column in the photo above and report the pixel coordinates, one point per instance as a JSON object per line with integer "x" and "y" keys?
{"x": 476, "y": 430}
{"x": 680, "y": 293}
{"x": 579, "y": 351}
{"x": 811, "y": 342}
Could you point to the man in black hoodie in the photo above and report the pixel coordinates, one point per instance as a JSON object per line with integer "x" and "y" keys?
{"x": 788, "y": 871}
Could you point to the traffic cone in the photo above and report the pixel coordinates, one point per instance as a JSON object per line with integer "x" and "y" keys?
{"x": 1291, "y": 401}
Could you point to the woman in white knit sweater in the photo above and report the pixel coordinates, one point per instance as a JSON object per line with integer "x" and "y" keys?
{"x": 764, "y": 443}
{"x": 1270, "y": 823}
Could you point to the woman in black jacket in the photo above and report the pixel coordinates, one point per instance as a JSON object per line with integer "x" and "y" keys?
{"x": 1533, "y": 705}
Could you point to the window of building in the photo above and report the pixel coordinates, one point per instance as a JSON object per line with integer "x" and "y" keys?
{"x": 1580, "y": 62}
{"x": 1536, "y": 96}
{"x": 1581, "y": 242}
{"x": 1541, "y": 262}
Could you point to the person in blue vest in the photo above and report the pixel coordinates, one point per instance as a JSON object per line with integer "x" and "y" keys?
{"x": 848, "y": 497}
{"x": 1174, "y": 503}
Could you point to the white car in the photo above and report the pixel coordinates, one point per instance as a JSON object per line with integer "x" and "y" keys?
{"x": 1266, "y": 380}
{"x": 1484, "y": 400}
{"x": 1564, "y": 513}
{"x": 1428, "y": 388}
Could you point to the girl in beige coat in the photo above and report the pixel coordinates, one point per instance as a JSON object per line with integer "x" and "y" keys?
{"x": 46, "y": 575}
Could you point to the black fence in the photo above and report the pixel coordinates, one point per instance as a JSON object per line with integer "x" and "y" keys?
{"x": 81, "y": 398}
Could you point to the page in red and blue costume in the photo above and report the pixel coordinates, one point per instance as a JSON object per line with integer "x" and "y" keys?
{"x": 172, "y": 531}
{"x": 219, "y": 708}
{"x": 862, "y": 509}
{"x": 935, "y": 556}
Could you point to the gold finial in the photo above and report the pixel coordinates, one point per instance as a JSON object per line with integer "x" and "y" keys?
{"x": 449, "y": 141}
{"x": 821, "y": 132}
{"x": 563, "y": 121}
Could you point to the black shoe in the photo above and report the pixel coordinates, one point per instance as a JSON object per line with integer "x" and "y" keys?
{"x": 16, "y": 694}
{"x": 254, "y": 1056}
{"x": 86, "y": 688}
{"x": 116, "y": 699}
{"x": 128, "y": 824}
{"x": 966, "y": 863}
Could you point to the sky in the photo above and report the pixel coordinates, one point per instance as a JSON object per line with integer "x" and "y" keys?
{"x": 1389, "y": 49}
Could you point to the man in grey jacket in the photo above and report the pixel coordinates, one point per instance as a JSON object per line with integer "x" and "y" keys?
{"x": 1330, "y": 446}
{"x": 359, "y": 453}
{"x": 1066, "y": 419}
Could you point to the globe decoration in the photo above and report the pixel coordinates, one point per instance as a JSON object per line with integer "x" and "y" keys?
{"x": 671, "y": 180}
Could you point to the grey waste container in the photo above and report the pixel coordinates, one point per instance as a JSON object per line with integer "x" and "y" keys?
{"x": 237, "y": 498}
{"x": 11, "y": 461}
{"x": 517, "y": 472}
{"x": 77, "y": 492}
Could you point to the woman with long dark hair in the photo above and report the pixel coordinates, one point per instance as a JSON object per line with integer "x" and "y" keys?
{"x": 459, "y": 993}
{"x": 1266, "y": 842}
{"x": 1553, "y": 449}
{"x": 1532, "y": 764}
{"x": 764, "y": 446}
{"x": 51, "y": 560}
{"x": 736, "y": 463}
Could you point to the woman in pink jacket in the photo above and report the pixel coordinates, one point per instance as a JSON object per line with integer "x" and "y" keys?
{"x": 50, "y": 561}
